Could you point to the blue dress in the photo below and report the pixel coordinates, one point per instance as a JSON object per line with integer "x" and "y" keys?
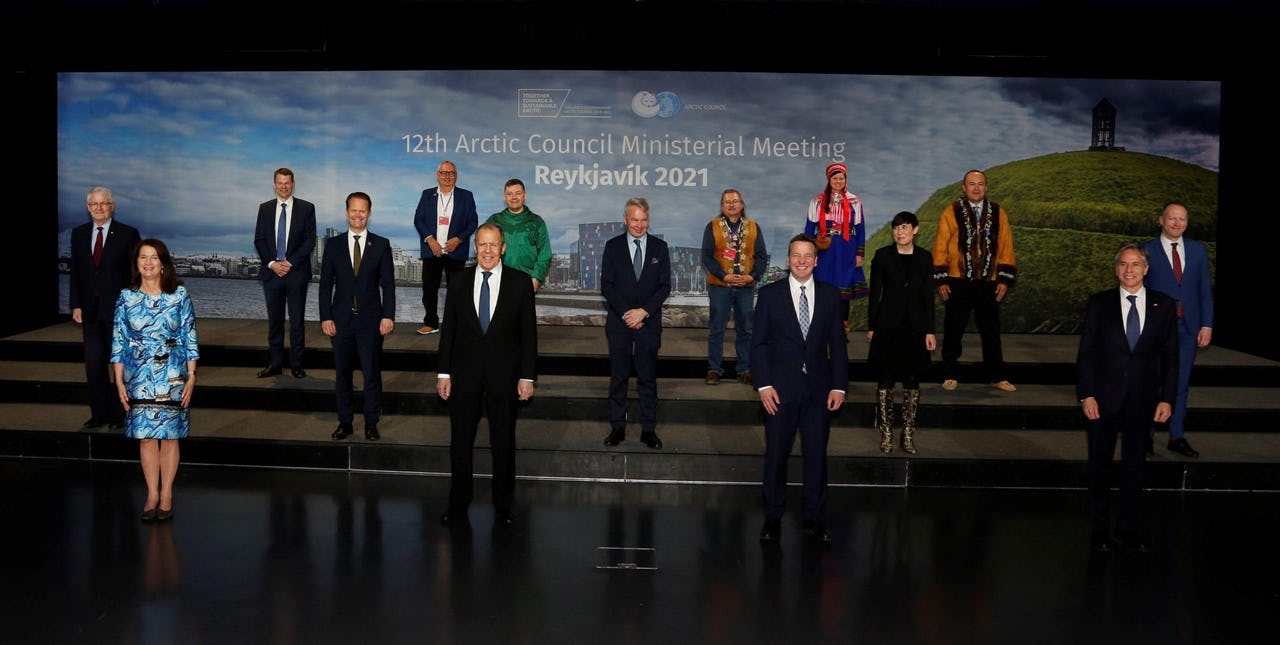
{"x": 154, "y": 337}
{"x": 838, "y": 265}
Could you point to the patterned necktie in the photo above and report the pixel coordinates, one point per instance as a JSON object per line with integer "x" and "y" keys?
{"x": 804, "y": 313}
{"x": 637, "y": 261}
{"x": 97, "y": 249}
{"x": 484, "y": 303}
{"x": 282, "y": 240}
{"x": 1132, "y": 326}
{"x": 1177, "y": 272}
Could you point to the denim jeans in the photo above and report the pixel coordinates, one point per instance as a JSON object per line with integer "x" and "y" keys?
{"x": 723, "y": 300}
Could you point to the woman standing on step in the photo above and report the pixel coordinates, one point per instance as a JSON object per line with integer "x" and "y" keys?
{"x": 900, "y": 327}
{"x": 154, "y": 353}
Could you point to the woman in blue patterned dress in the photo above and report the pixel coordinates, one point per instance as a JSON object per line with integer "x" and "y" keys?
{"x": 836, "y": 223}
{"x": 154, "y": 353}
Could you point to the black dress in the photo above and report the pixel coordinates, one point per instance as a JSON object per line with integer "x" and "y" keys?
{"x": 900, "y": 313}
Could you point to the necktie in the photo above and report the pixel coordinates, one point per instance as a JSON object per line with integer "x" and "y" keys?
{"x": 282, "y": 240}
{"x": 97, "y": 249}
{"x": 804, "y": 313}
{"x": 1132, "y": 326}
{"x": 637, "y": 261}
{"x": 484, "y": 303}
{"x": 355, "y": 268}
{"x": 1177, "y": 272}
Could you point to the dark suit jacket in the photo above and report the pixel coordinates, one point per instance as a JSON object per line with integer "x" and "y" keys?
{"x": 302, "y": 237}
{"x": 779, "y": 350}
{"x": 94, "y": 289}
{"x": 489, "y": 362}
{"x": 901, "y": 299}
{"x": 374, "y": 289}
{"x": 1195, "y": 291}
{"x": 1108, "y": 371}
{"x": 622, "y": 291}
{"x": 462, "y": 226}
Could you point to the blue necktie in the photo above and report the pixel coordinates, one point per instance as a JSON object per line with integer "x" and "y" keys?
{"x": 281, "y": 239}
{"x": 637, "y": 261}
{"x": 484, "y": 303}
{"x": 1132, "y": 326}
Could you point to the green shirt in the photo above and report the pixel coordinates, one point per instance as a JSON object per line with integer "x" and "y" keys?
{"x": 528, "y": 244}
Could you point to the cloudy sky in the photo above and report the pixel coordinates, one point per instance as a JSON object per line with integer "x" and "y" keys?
{"x": 191, "y": 155}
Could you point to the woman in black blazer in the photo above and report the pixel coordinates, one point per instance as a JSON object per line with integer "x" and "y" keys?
{"x": 900, "y": 327}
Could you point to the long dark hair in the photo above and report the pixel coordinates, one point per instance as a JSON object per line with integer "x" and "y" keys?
{"x": 168, "y": 273}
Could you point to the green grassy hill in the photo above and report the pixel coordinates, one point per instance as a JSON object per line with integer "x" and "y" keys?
{"x": 1069, "y": 212}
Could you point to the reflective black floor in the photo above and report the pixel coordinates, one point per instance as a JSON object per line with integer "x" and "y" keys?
{"x": 261, "y": 556}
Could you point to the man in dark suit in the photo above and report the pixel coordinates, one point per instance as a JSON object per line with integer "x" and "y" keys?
{"x": 101, "y": 264}
{"x": 635, "y": 279}
{"x": 285, "y": 238}
{"x": 488, "y": 350}
{"x": 1126, "y": 377}
{"x": 446, "y": 218}
{"x": 1180, "y": 269}
{"x": 800, "y": 363}
{"x": 357, "y": 308}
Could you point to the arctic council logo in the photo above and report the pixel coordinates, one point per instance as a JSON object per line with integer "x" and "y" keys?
{"x": 647, "y": 105}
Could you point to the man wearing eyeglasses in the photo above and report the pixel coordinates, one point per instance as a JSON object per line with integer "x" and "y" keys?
{"x": 734, "y": 256}
{"x": 101, "y": 259}
{"x": 446, "y": 218}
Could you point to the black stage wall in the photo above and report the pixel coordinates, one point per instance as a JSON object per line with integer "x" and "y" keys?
{"x": 1191, "y": 39}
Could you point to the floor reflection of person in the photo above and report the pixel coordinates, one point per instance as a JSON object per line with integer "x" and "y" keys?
{"x": 154, "y": 354}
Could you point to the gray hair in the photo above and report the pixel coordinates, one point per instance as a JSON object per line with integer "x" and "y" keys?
{"x": 1131, "y": 246}
{"x": 640, "y": 202}
{"x": 99, "y": 189}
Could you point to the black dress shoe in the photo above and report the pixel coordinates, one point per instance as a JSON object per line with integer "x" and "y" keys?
{"x": 1183, "y": 448}
{"x": 298, "y": 372}
{"x": 344, "y": 430}
{"x": 651, "y": 439}
{"x": 1133, "y": 544}
{"x": 93, "y": 423}
{"x": 815, "y": 532}
{"x": 1151, "y": 447}
{"x": 616, "y": 436}
{"x": 1100, "y": 542}
{"x": 453, "y": 517}
{"x": 268, "y": 372}
{"x": 163, "y": 515}
{"x": 503, "y": 517}
{"x": 149, "y": 515}
{"x": 771, "y": 531}
{"x": 371, "y": 431}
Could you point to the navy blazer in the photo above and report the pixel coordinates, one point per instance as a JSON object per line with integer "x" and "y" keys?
{"x": 1116, "y": 376}
{"x": 462, "y": 226}
{"x": 300, "y": 245}
{"x": 1195, "y": 291}
{"x": 622, "y": 291}
{"x": 374, "y": 289}
{"x": 489, "y": 362}
{"x": 779, "y": 351}
{"x": 91, "y": 285}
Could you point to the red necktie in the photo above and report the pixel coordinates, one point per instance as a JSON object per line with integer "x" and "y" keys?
{"x": 1177, "y": 272}
{"x": 97, "y": 249}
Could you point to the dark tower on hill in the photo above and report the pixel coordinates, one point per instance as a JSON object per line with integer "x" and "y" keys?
{"x": 1104, "y": 127}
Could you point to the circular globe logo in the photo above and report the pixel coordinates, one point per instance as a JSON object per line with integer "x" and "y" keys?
{"x": 669, "y": 104}
{"x": 645, "y": 104}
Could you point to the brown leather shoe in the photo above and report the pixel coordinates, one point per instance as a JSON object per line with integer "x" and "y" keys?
{"x": 713, "y": 378}
{"x": 745, "y": 377}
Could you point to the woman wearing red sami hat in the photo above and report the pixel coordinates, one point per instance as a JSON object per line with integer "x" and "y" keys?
{"x": 836, "y": 221}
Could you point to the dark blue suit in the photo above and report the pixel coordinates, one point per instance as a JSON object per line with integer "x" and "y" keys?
{"x": 1128, "y": 384}
{"x": 462, "y": 226}
{"x": 803, "y": 370}
{"x": 290, "y": 290}
{"x": 628, "y": 347}
{"x": 373, "y": 292}
{"x": 1195, "y": 292}
{"x": 94, "y": 291}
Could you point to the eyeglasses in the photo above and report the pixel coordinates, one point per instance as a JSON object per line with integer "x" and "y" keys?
{"x": 447, "y": 173}
{"x": 731, "y": 202}
{"x": 100, "y": 204}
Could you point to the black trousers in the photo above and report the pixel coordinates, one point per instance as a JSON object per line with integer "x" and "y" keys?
{"x": 464, "y": 419}
{"x": 104, "y": 401}
{"x": 432, "y": 269}
{"x": 1131, "y": 427}
{"x": 979, "y": 298}
{"x": 358, "y": 342}
{"x": 812, "y": 420}
{"x": 634, "y": 349}
{"x": 287, "y": 293}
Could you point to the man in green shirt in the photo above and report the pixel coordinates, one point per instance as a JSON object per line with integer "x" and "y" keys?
{"x": 528, "y": 245}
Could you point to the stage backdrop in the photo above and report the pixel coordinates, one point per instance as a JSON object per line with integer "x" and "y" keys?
{"x": 191, "y": 155}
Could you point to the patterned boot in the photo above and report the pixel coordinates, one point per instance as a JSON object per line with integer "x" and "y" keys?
{"x": 884, "y": 418}
{"x": 910, "y": 401}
